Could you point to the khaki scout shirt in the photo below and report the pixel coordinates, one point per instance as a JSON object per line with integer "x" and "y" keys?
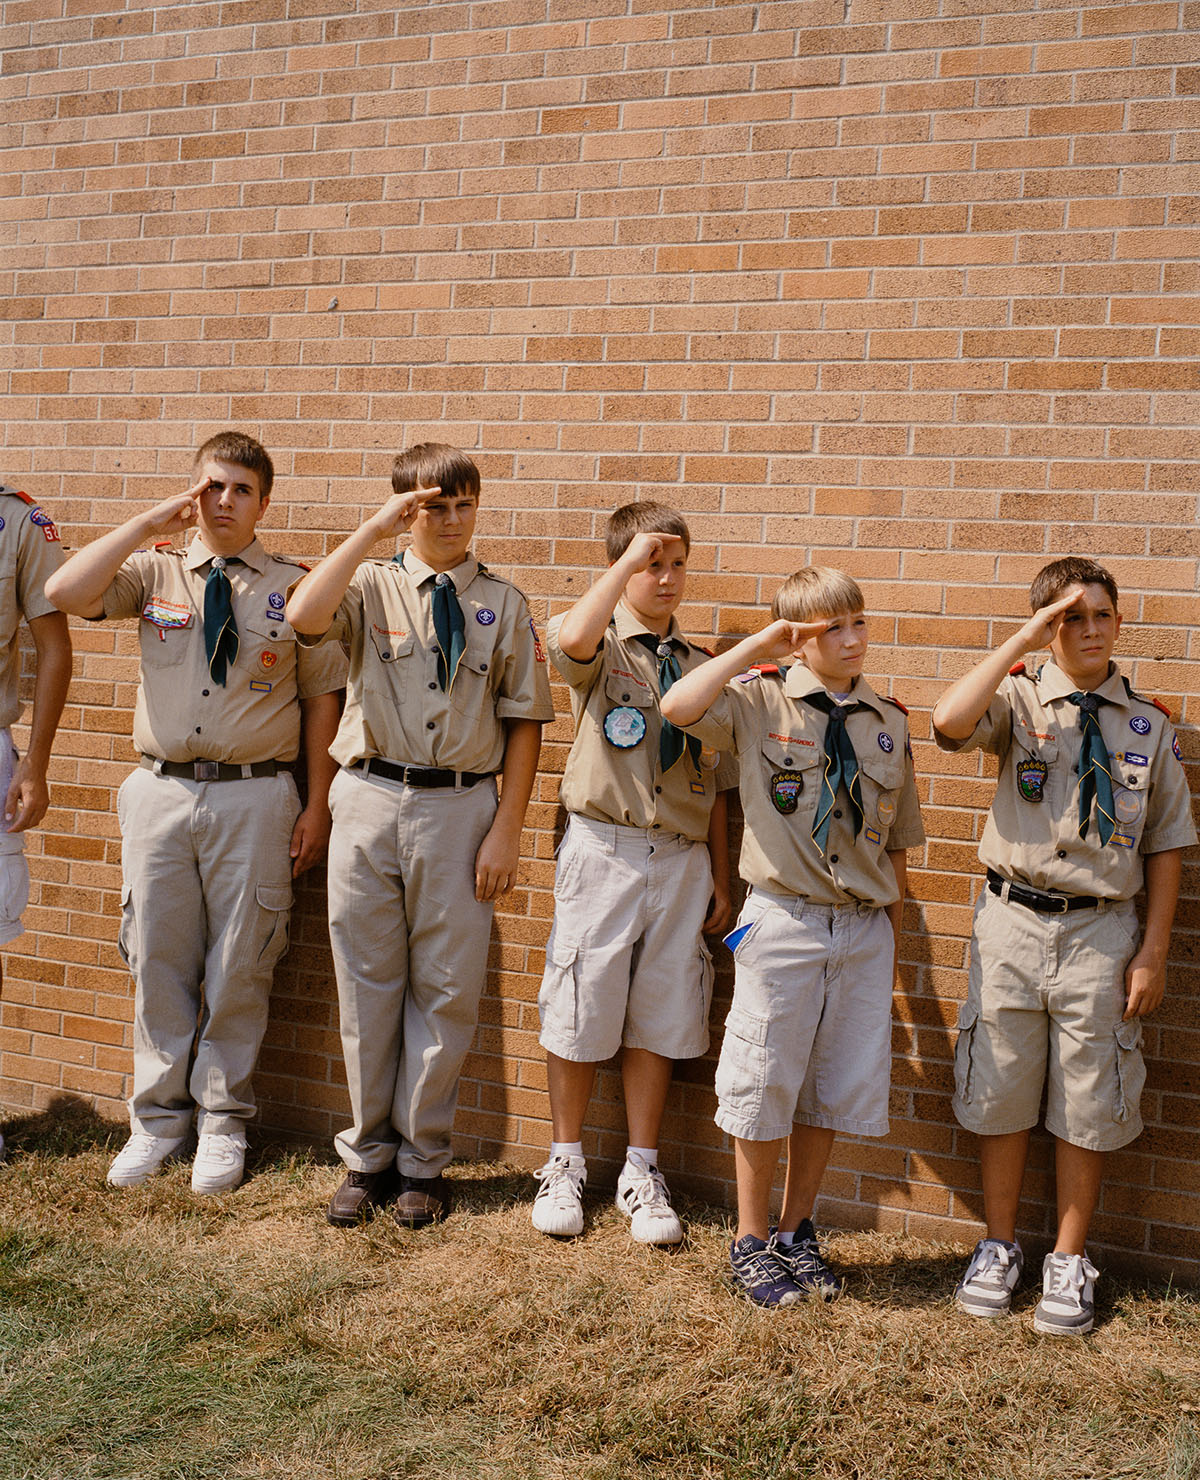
{"x": 1032, "y": 832}
{"x": 395, "y": 707}
{"x": 181, "y": 714}
{"x": 614, "y": 771}
{"x": 779, "y": 742}
{"x": 29, "y": 552}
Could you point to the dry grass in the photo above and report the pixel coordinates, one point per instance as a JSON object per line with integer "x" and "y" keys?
{"x": 154, "y": 1334}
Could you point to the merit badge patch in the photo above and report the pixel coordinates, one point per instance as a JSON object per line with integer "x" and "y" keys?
{"x": 539, "y": 652}
{"x": 1122, "y": 840}
{"x": 1128, "y": 806}
{"x": 697, "y": 788}
{"x": 1136, "y": 760}
{"x": 1031, "y": 780}
{"x": 786, "y": 787}
{"x": 886, "y": 743}
{"x": 260, "y": 686}
{"x": 624, "y": 727}
{"x": 44, "y": 523}
{"x": 485, "y": 616}
{"x": 163, "y": 614}
{"x": 268, "y": 660}
{"x": 275, "y": 601}
{"x": 872, "y": 836}
{"x": 886, "y": 809}
{"x": 1175, "y": 747}
{"x": 1139, "y": 724}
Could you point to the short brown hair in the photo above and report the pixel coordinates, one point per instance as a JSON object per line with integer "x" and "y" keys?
{"x": 245, "y": 451}
{"x": 817, "y": 591}
{"x": 435, "y": 465}
{"x": 1057, "y": 578}
{"x": 646, "y": 517}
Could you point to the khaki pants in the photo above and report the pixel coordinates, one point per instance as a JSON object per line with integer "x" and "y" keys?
{"x": 206, "y": 897}
{"x": 410, "y": 945}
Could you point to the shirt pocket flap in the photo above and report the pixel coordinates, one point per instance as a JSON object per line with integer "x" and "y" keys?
{"x": 886, "y": 771}
{"x": 391, "y": 645}
{"x": 268, "y": 629}
{"x": 627, "y": 688}
{"x": 791, "y": 754}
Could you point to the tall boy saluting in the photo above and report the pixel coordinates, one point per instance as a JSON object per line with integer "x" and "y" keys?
{"x": 1091, "y": 798}
{"x": 447, "y": 690}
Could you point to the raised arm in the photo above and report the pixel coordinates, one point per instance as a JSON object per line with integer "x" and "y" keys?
{"x": 582, "y": 629}
{"x": 691, "y": 696}
{"x": 78, "y": 586}
{"x": 315, "y": 599}
{"x": 965, "y": 702}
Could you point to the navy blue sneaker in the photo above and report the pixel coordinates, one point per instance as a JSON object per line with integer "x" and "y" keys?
{"x": 802, "y": 1260}
{"x": 760, "y": 1275}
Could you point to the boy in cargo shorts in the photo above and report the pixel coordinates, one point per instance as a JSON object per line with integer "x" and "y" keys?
{"x": 1091, "y": 802}
{"x": 830, "y": 804}
{"x": 642, "y": 872}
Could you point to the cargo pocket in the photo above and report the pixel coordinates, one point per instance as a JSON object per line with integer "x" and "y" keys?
{"x": 276, "y": 901}
{"x": 127, "y": 935}
{"x": 742, "y": 1067}
{"x": 964, "y": 1052}
{"x": 1131, "y": 1070}
{"x": 558, "y": 997}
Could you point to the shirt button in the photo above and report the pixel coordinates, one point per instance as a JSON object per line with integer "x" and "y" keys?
{"x": 1062, "y": 853}
{"x": 483, "y": 667}
{"x": 625, "y": 698}
{"x": 197, "y": 729}
{"x": 658, "y": 791}
{"x": 204, "y": 693}
{"x": 431, "y": 725}
{"x": 838, "y": 813}
{"x": 787, "y": 760}
{"x": 431, "y": 686}
{"x": 385, "y": 654}
{"x": 657, "y": 825}
{"x": 274, "y": 633}
{"x": 833, "y": 858}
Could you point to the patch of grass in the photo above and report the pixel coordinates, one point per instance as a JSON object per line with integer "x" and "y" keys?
{"x": 154, "y": 1335}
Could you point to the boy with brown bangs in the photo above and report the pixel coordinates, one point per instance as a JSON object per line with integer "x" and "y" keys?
{"x": 1091, "y": 802}
{"x": 447, "y": 693}
{"x": 642, "y": 872}
{"x": 830, "y": 806}
{"x": 212, "y": 829}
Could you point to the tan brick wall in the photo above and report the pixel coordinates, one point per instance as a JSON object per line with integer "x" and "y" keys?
{"x": 910, "y": 286}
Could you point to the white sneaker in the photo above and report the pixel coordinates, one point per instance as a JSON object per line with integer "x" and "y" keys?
{"x": 220, "y": 1161}
{"x": 986, "y": 1289}
{"x": 558, "y": 1206}
{"x": 643, "y": 1197}
{"x": 1068, "y": 1303}
{"x": 141, "y": 1156}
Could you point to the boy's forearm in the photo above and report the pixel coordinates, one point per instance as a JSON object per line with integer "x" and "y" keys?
{"x": 895, "y": 911}
{"x": 319, "y": 717}
{"x": 1163, "y": 872}
{"x": 52, "y": 640}
{"x": 522, "y": 749}
{"x": 316, "y": 597}
{"x": 78, "y": 586}
{"x": 718, "y": 843}
{"x": 581, "y": 630}
{"x": 692, "y": 696}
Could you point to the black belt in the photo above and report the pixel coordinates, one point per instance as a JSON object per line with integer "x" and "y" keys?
{"x": 419, "y": 775}
{"x": 210, "y": 770}
{"x": 1034, "y": 899}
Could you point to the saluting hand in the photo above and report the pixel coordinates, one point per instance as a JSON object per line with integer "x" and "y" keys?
{"x": 1042, "y": 627}
{"x": 783, "y": 637}
{"x": 648, "y": 546}
{"x": 178, "y": 513}
{"x": 398, "y": 512}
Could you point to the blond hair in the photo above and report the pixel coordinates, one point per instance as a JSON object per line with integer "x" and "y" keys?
{"x": 817, "y": 591}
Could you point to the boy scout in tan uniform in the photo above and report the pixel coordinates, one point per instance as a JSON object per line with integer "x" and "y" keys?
{"x": 626, "y": 964}
{"x": 211, "y": 823}
{"x": 1091, "y": 795}
{"x": 29, "y": 554}
{"x": 447, "y": 689}
{"x": 830, "y": 805}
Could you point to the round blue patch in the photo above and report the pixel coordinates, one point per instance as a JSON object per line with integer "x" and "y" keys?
{"x": 1139, "y": 724}
{"x": 276, "y": 600}
{"x": 1, "y": 523}
{"x": 886, "y": 743}
{"x": 485, "y": 616}
{"x": 624, "y": 727}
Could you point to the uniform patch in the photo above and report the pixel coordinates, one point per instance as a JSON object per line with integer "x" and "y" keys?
{"x": 789, "y": 739}
{"x": 539, "y": 653}
{"x": 749, "y": 677}
{"x": 44, "y": 522}
{"x": 1175, "y": 747}
{"x": 1, "y": 523}
{"x": 163, "y": 614}
{"x": 1136, "y": 760}
{"x": 698, "y": 788}
{"x": 260, "y": 686}
{"x": 886, "y": 810}
{"x": 624, "y": 727}
{"x": 1139, "y": 724}
{"x": 786, "y": 787}
{"x": 1122, "y": 840}
{"x": 485, "y": 616}
{"x": 1031, "y": 780}
{"x": 275, "y": 600}
{"x": 886, "y": 743}
{"x": 1128, "y": 806}
{"x": 872, "y": 836}
{"x": 268, "y": 660}
{"x": 710, "y": 759}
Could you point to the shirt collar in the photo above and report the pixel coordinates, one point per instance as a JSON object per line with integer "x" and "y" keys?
{"x": 462, "y": 575}
{"x": 628, "y": 626}
{"x": 199, "y": 554}
{"x": 801, "y": 681}
{"x": 1053, "y": 683}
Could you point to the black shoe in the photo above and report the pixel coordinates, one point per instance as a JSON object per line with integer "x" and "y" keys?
{"x": 360, "y": 1196}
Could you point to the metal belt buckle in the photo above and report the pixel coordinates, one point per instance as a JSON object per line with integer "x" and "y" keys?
{"x": 1060, "y": 905}
{"x": 208, "y": 770}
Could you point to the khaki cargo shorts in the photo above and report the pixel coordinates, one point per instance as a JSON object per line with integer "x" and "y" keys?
{"x": 1045, "y": 997}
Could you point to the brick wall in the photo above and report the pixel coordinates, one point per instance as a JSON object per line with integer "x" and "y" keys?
{"x": 909, "y": 286}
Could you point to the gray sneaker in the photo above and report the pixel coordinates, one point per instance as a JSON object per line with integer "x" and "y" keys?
{"x": 1068, "y": 1303}
{"x": 992, "y": 1275}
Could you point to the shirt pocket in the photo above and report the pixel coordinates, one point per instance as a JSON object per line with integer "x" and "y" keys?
{"x": 1037, "y": 775}
{"x": 624, "y": 688}
{"x": 472, "y": 682}
{"x": 881, "y": 782}
{"x": 163, "y": 647}
{"x": 1130, "y": 790}
{"x": 267, "y": 648}
{"x": 792, "y": 776}
{"x": 389, "y": 664}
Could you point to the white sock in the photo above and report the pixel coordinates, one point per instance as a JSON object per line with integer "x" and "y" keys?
{"x": 565, "y": 1148}
{"x": 649, "y": 1155}
{"x": 786, "y": 1239}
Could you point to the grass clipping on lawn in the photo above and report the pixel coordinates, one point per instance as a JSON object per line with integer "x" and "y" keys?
{"x": 152, "y": 1333}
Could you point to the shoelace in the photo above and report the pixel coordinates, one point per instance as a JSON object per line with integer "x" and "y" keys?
{"x": 556, "y": 1178}
{"x": 1066, "y": 1279}
{"x": 763, "y": 1265}
{"x": 648, "y": 1190}
{"x": 807, "y": 1257}
{"x": 986, "y": 1262}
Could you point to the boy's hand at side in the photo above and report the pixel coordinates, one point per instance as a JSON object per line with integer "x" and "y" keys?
{"x": 719, "y": 911}
{"x": 1145, "y": 983}
{"x": 28, "y": 798}
{"x": 496, "y": 862}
